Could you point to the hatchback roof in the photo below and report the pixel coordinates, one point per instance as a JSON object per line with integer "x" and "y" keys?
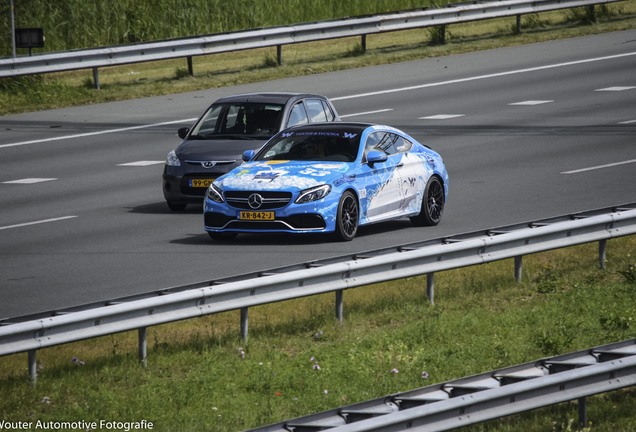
{"x": 333, "y": 127}
{"x": 271, "y": 97}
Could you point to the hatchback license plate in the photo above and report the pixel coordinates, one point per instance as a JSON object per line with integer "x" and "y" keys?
{"x": 256, "y": 215}
{"x": 200, "y": 183}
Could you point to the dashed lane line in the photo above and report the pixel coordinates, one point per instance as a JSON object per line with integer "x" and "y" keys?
{"x": 102, "y": 132}
{"x": 36, "y": 222}
{"x": 597, "y": 167}
{"x": 29, "y": 180}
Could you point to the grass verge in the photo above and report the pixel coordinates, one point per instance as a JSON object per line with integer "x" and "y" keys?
{"x": 32, "y": 93}
{"x": 200, "y": 375}
{"x": 299, "y": 360}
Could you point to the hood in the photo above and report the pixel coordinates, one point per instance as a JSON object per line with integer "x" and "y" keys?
{"x": 282, "y": 175}
{"x": 216, "y": 149}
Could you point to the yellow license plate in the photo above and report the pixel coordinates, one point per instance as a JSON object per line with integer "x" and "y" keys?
{"x": 200, "y": 183}
{"x": 256, "y": 215}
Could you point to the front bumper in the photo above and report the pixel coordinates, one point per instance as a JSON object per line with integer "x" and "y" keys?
{"x": 294, "y": 218}
{"x": 175, "y": 191}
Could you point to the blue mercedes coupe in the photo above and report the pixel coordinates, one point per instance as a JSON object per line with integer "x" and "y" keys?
{"x": 328, "y": 178}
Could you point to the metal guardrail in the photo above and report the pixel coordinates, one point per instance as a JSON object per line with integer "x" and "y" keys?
{"x": 279, "y": 36}
{"x": 314, "y": 278}
{"x": 484, "y": 397}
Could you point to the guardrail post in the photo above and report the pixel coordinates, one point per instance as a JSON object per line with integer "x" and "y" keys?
{"x": 363, "y": 43}
{"x": 33, "y": 366}
{"x": 143, "y": 346}
{"x": 518, "y": 268}
{"x": 602, "y": 253}
{"x": 339, "y": 305}
{"x": 244, "y": 323}
{"x": 279, "y": 54}
{"x": 441, "y": 35}
{"x": 96, "y": 78}
{"x": 190, "y": 68}
{"x": 518, "y": 29}
{"x": 591, "y": 14}
{"x": 430, "y": 287}
{"x": 582, "y": 403}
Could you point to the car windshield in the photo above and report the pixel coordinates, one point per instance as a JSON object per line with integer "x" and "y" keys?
{"x": 244, "y": 120}
{"x": 307, "y": 145}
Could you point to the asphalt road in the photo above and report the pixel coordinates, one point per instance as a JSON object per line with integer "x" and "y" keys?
{"x": 526, "y": 133}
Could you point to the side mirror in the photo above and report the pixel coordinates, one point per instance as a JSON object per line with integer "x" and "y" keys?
{"x": 248, "y": 155}
{"x": 183, "y": 132}
{"x": 374, "y": 157}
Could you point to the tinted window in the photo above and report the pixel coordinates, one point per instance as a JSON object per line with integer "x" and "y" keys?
{"x": 207, "y": 125}
{"x": 298, "y": 115}
{"x": 309, "y": 145}
{"x": 330, "y": 115}
{"x": 316, "y": 110}
{"x": 259, "y": 120}
{"x": 402, "y": 144}
{"x": 388, "y": 143}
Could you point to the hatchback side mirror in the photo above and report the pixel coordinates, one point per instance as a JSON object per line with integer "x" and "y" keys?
{"x": 183, "y": 132}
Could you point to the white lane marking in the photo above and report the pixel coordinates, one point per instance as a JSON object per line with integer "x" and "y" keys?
{"x": 441, "y": 117}
{"x": 29, "y": 180}
{"x": 614, "y": 89}
{"x": 531, "y": 102}
{"x": 142, "y": 163}
{"x": 481, "y": 77}
{"x": 627, "y": 122}
{"x": 367, "y": 113}
{"x": 102, "y": 132}
{"x": 600, "y": 167}
{"x": 36, "y": 222}
{"x": 360, "y": 95}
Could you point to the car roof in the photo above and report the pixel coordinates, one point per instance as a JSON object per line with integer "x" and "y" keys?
{"x": 340, "y": 127}
{"x": 268, "y": 97}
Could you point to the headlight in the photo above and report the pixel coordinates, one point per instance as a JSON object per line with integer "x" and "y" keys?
{"x": 172, "y": 159}
{"x": 313, "y": 194}
{"x": 215, "y": 193}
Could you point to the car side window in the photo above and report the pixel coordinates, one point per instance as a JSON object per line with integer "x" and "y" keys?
{"x": 316, "y": 110}
{"x": 388, "y": 143}
{"x": 380, "y": 141}
{"x": 208, "y": 124}
{"x": 298, "y": 115}
{"x": 330, "y": 115}
{"x": 402, "y": 145}
{"x": 235, "y": 120}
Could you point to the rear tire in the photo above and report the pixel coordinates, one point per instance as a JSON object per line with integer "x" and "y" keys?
{"x": 432, "y": 204}
{"x": 347, "y": 217}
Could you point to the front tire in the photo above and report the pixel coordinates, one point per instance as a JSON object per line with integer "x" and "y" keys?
{"x": 432, "y": 204}
{"x": 347, "y": 217}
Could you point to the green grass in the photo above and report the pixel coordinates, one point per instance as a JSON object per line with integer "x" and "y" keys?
{"x": 197, "y": 379}
{"x": 74, "y": 24}
{"x": 32, "y": 93}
